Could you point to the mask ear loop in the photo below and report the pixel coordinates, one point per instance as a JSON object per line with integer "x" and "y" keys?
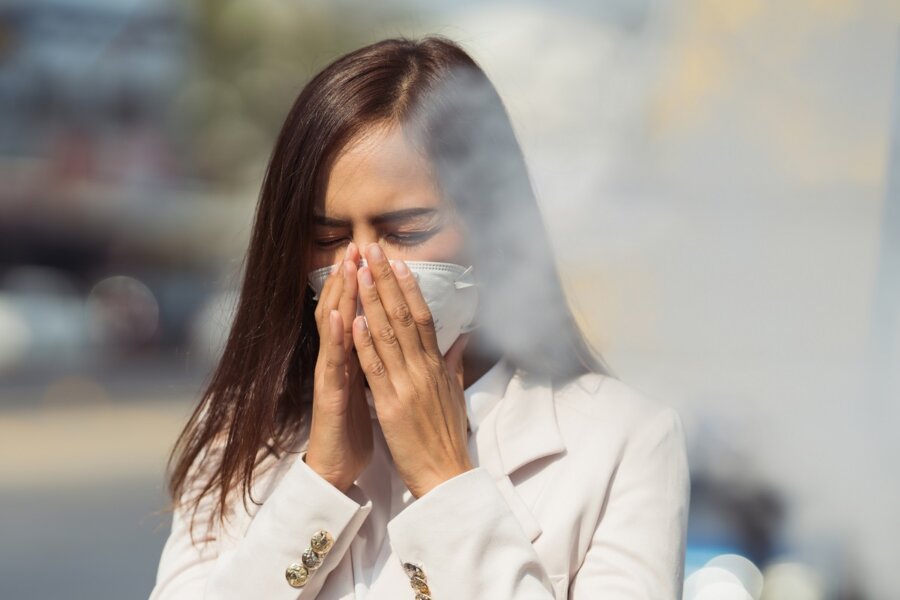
{"x": 465, "y": 279}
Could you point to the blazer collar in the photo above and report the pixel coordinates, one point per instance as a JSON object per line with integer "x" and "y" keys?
{"x": 526, "y": 425}
{"x": 483, "y": 395}
{"x": 525, "y": 430}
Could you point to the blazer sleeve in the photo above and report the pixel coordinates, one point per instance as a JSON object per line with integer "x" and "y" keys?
{"x": 637, "y": 548}
{"x": 301, "y": 504}
{"x": 461, "y": 540}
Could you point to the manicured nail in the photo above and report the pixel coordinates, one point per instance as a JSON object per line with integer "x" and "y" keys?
{"x": 375, "y": 251}
{"x": 366, "y": 276}
{"x": 400, "y": 267}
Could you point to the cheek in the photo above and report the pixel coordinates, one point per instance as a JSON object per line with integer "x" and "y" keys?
{"x": 325, "y": 258}
{"x": 446, "y": 246}
{"x": 330, "y": 256}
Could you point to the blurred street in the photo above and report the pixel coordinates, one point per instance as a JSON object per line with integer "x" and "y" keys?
{"x": 81, "y": 483}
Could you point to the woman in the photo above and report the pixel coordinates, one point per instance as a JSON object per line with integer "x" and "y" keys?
{"x": 424, "y": 420}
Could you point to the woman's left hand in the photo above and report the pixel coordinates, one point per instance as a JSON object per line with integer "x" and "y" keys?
{"x": 418, "y": 394}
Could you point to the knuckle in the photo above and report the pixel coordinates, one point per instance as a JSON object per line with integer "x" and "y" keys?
{"x": 411, "y": 285}
{"x": 386, "y": 334}
{"x": 424, "y": 318}
{"x": 370, "y": 295}
{"x": 385, "y": 272}
{"x": 433, "y": 362}
{"x": 376, "y": 368}
{"x": 430, "y": 378}
{"x": 332, "y": 362}
{"x": 387, "y": 413}
{"x": 402, "y": 314}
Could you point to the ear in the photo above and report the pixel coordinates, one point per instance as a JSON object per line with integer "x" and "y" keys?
{"x": 454, "y": 357}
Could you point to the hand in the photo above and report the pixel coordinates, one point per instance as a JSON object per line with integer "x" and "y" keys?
{"x": 340, "y": 438}
{"x": 418, "y": 394}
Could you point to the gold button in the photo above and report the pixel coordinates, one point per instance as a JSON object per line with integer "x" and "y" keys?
{"x": 321, "y": 541}
{"x": 413, "y": 570}
{"x": 296, "y": 575}
{"x": 310, "y": 559}
{"x": 419, "y": 585}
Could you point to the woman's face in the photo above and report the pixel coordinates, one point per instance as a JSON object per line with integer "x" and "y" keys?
{"x": 381, "y": 190}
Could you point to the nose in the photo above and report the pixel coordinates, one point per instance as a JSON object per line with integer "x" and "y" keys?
{"x": 363, "y": 242}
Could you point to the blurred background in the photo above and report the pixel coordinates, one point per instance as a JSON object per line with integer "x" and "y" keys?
{"x": 721, "y": 181}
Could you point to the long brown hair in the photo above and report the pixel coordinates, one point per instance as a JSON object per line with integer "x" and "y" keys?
{"x": 258, "y": 397}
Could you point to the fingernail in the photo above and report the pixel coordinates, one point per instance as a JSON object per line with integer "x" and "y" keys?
{"x": 400, "y": 267}
{"x": 347, "y": 252}
{"x": 347, "y": 268}
{"x": 335, "y": 266}
{"x": 375, "y": 251}
{"x": 366, "y": 276}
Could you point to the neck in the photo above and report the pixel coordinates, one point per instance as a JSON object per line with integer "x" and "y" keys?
{"x": 477, "y": 359}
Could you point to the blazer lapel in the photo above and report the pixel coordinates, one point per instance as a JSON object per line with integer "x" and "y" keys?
{"x": 526, "y": 422}
{"x": 525, "y": 430}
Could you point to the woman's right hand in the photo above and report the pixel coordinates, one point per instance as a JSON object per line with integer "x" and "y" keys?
{"x": 340, "y": 439}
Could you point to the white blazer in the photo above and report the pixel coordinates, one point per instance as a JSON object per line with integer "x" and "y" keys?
{"x": 579, "y": 492}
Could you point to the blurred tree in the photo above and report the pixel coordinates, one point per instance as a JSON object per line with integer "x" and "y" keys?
{"x": 250, "y": 60}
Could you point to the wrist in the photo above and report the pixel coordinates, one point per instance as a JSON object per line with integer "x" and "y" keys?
{"x": 342, "y": 486}
{"x": 421, "y": 491}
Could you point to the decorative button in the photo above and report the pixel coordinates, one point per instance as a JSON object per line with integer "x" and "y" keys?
{"x": 413, "y": 570}
{"x": 419, "y": 585}
{"x": 310, "y": 559}
{"x": 423, "y": 597}
{"x": 296, "y": 575}
{"x": 321, "y": 542}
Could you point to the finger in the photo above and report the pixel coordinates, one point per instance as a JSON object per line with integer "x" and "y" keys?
{"x": 354, "y": 370}
{"x": 323, "y": 306}
{"x": 322, "y": 314}
{"x": 369, "y": 360}
{"x": 348, "y": 300}
{"x": 418, "y": 307}
{"x": 393, "y": 302}
{"x": 335, "y": 376}
{"x": 382, "y": 333}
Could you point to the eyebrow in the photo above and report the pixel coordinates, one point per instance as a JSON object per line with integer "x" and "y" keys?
{"x": 384, "y": 218}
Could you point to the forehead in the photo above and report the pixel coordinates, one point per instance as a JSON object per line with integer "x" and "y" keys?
{"x": 378, "y": 171}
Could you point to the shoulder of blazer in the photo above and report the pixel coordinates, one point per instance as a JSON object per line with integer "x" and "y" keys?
{"x": 590, "y": 416}
{"x": 536, "y": 421}
{"x": 605, "y": 400}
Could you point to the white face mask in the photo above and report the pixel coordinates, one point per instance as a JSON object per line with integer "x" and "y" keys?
{"x": 449, "y": 290}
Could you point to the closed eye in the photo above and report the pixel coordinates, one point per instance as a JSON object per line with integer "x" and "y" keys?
{"x": 411, "y": 240}
{"x": 407, "y": 240}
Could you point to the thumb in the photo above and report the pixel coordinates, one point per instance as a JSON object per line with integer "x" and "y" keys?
{"x": 454, "y": 357}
